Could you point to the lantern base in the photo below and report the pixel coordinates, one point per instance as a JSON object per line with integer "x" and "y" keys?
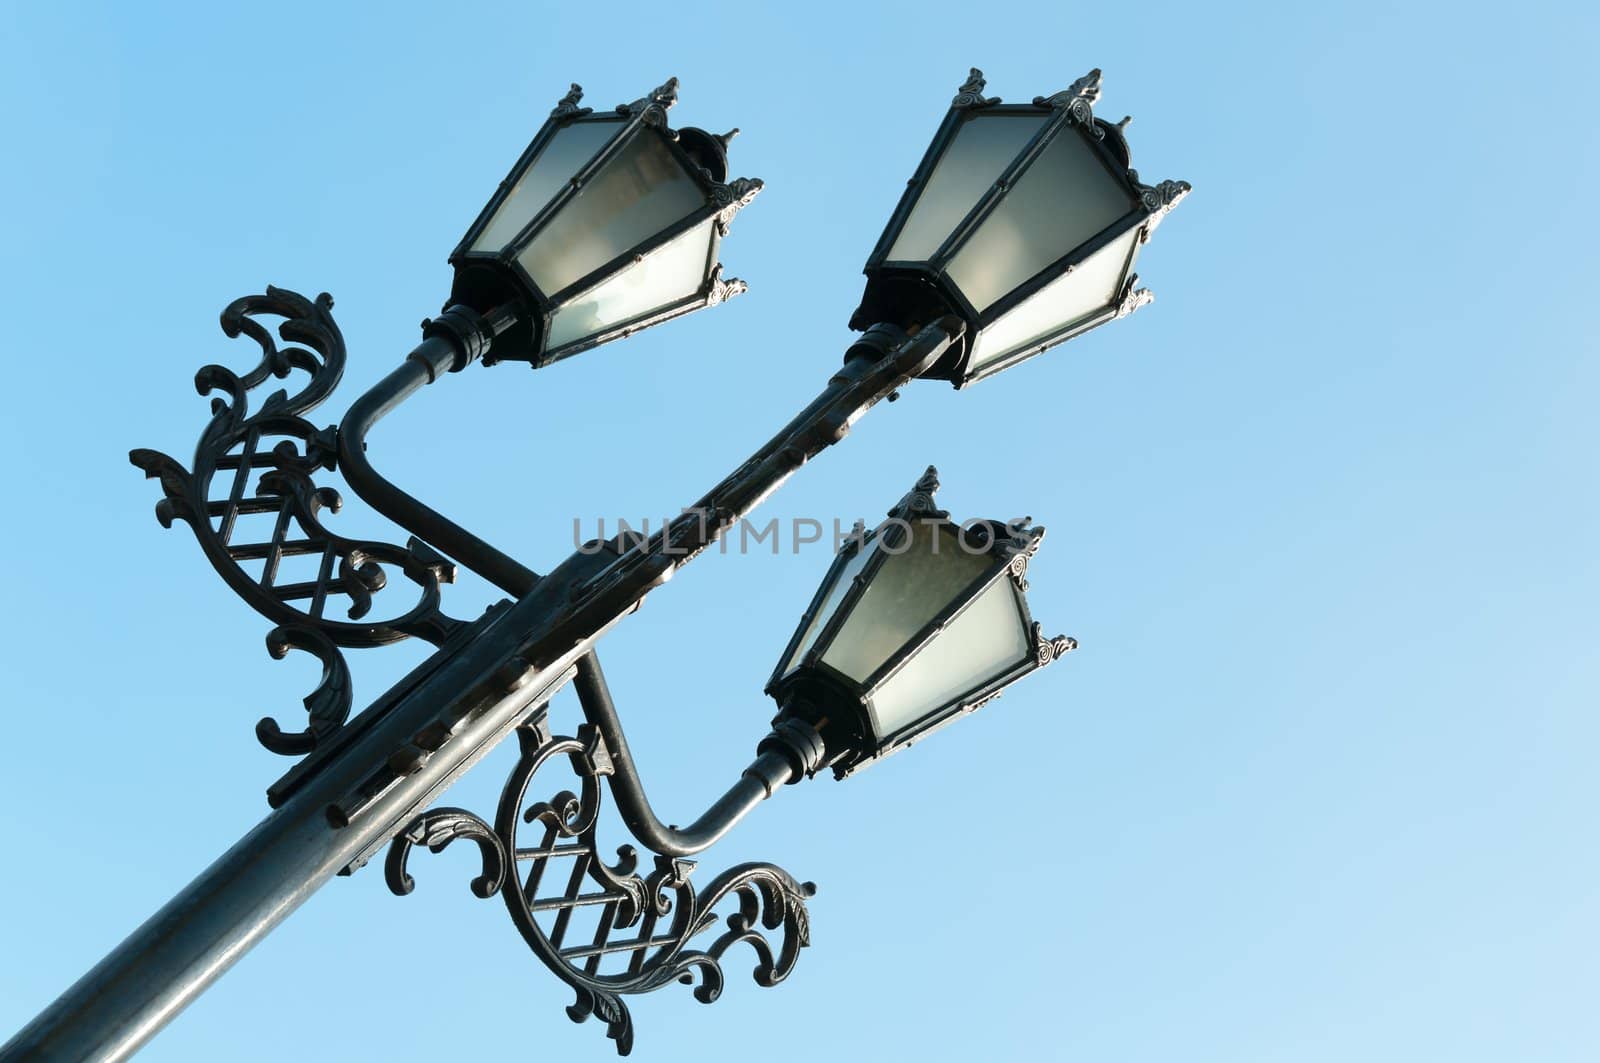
{"x": 909, "y": 299}
{"x": 485, "y": 286}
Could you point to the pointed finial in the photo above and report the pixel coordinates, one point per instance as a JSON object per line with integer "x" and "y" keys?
{"x": 726, "y": 138}
{"x": 1122, "y": 126}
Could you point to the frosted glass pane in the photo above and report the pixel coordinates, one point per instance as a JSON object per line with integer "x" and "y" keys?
{"x": 639, "y": 192}
{"x": 909, "y": 590}
{"x": 1063, "y": 199}
{"x": 667, "y": 275}
{"x": 836, "y": 592}
{"x": 979, "y": 645}
{"x": 980, "y": 151}
{"x": 1088, "y": 289}
{"x": 571, "y": 147}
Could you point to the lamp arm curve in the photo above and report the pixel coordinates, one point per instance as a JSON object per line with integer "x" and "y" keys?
{"x": 450, "y": 342}
{"x": 769, "y": 771}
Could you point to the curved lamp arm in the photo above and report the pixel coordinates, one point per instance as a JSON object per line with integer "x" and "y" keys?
{"x": 780, "y": 759}
{"x": 451, "y": 342}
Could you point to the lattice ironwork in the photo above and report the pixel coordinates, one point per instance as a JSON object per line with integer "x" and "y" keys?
{"x": 256, "y": 469}
{"x": 645, "y": 921}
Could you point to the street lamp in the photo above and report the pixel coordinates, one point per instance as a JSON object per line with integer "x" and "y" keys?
{"x": 915, "y": 624}
{"x": 1019, "y": 231}
{"x": 1025, "y": 221}
{"x": 607, "y": 224}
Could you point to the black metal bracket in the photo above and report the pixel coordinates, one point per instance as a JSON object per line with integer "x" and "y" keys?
{"x": 554, "y": 876}
{"x": 259, "y": 467}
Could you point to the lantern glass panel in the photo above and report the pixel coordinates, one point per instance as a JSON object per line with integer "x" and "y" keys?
{"x": 637, "y": 193}
{"x": 558, "y": 161}
{"x": 1090, "y": 288}
{"x": 987, "y": 640}
{"x": 847, "y": 574}
{"x": 918, "y": 581}
{"x": 1066, "y": 197}
{"x": 670, "y": 274}
{"x": 982, "y": 148}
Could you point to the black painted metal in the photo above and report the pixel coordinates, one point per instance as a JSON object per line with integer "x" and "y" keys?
{"x": 362, "y": 783}
{"x": 271, "y": 456}
{"x": 143, "y": 983}
{"x": 654, "y": 915}
{"x": 758, "y": 782}
{"x": 816, "y": 695}
{"x": 359, "y": 784}
{"x": 909, "y": 291}
{"x": 442, "y": 349}
{"x": 496, "y": 277}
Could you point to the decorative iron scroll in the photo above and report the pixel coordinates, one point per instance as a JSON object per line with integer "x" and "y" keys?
{"x": 1158, "y": 200}
{"x": 567, "y": 106}
{"x": 654, "y": 107}
{"x": 657, "y": 912}
{"x": 1078, "y": 100}
{"x": 267, "y": 459}
{"x": 970, "y": 94}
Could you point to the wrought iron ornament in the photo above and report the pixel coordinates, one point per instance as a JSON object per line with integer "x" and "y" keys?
{"x": 1078, "y": 100}
{"x": 567, "y": 106}
{"x": 654, "y": 107}
{"x": 970, "y": 94}
{"x": 269, "y": 458}
{"x": 660, "y": 911}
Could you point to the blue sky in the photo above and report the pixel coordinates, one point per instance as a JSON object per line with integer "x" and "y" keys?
{"x": 1319, "y": 784}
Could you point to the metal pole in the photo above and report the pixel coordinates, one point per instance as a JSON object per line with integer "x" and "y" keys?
{"x": 342, "y": 804}
{"x": 162, "y": 966}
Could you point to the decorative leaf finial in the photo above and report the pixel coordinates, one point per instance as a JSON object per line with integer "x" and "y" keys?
{"x": 918, "y": 502}
{"x": 720, "y": 291}
{"x": 653, "y": 107}
{"x": 1158, "y": 201}
{"x": 733, "y": 197}
{"x": 1133, "y": 297}
{"x": 1078, "y": 101}
{"x": 970, "y": 94}
{"x": 1019, "y": 542}
{"x": 1051, "y": 649}
{"x": 567, "y": 106}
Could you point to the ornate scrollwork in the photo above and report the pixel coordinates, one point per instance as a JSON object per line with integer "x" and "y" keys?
{"x": 919, "y": 502}
{"x": 567, "y": 106}
{"x": 719, "y": 290}
{"x": 1158, "y": 200}
{"x": 270, "y": 456}
{"x": 1134, "y": 297}
{"x": 1018, "y": 542}
{"x": 652, "y": 109}
{"x": 733, "y": 197}
{"x": 327, "y": 707}
{"x": 661, "y": 907}
{"x": 1078, "y": 100}
{"x": 970, "y": 94}
{"x": 1051, "y": 649}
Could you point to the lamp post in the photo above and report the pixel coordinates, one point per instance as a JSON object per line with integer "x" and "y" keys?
{"x": 607, "y": 224}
